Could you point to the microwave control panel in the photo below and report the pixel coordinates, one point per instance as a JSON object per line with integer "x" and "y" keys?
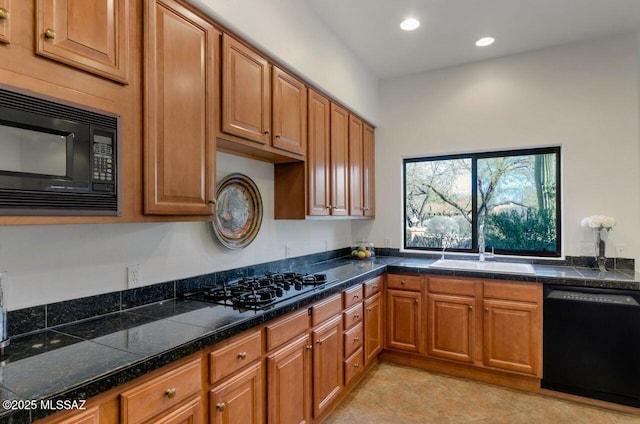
{"x": 103, "y": 163}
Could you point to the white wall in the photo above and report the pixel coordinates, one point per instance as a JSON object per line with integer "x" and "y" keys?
{"x": 49, "y": 263}
{"x": 583, "y": 97}
{"x": 290, "y": 31}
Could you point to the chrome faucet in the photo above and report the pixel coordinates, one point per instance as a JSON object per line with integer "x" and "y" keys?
{"x": 481, "y": 246}
{"x": 443, "y": 249}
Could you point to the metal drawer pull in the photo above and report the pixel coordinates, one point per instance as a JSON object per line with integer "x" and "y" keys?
{"x": 319, "y": 342}
{"x": 242, "y": 355}
{"x": 375, "y": 287}
{"x": 49, "y": 33}
{"x": 309, "y": 347}
{"x": 402, "y": 282}
{"x": 356, "y": 365}
{"x": 356, "y": 339}
{"x": 356, "y": 296}
{"x": 356, "y": 316}
{"x": 171, "y": 393}
{"x": 4, "y": 13}
{"x": 220, "y": 406}
{"x": 369, "y": 309}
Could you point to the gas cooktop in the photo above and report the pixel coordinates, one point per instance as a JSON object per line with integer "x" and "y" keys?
{"x": 261, "y": 292}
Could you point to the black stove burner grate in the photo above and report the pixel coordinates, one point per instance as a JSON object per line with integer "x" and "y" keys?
{"x": 262, "y": 291}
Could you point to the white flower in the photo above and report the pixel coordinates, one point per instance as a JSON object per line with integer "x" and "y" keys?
{"x": 599, "y": 222}
{"x": 608, "y": 222}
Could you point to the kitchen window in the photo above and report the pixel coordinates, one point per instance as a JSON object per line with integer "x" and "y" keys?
{"x": 512, "y": 197}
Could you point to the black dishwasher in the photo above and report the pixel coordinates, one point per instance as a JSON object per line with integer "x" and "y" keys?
{"x": 591, "y": 343}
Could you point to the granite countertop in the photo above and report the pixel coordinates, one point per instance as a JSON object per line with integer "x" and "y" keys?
{"x": 82, "y": 359}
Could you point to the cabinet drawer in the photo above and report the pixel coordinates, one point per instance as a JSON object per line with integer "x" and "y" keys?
{"x": 525, "y": 292}
{"x": 352, "y": 296}
{"x": 352, "y": 315}
{"x": 326, "y": 309}
{"x": 353, "y": 366}
{"x": 227, "y": 360}
{"x": 452, "y": 286}
{"x": 352, "y": 340}
{"x": 372, "y": 287}
{"x": 404, "y": 282}
{"x": 286, "y": 329}
{"x": 160, "y": 394}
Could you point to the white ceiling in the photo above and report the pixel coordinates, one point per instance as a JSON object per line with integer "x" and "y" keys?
{"x": 449, "y": 28}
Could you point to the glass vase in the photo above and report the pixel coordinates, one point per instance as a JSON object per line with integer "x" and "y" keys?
{"x": 600, "y": 246}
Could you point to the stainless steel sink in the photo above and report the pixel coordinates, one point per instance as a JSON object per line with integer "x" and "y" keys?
{"x": 504, "y": 267}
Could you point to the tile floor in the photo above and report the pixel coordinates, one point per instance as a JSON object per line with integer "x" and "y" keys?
{"x": 400, "y": 395}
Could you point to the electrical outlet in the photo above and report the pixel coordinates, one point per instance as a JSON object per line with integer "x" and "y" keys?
{"x": 620, "y": 250}
{"x": 287, "y": 251}
{"x": 134, "y": 277}
{"x": 387, "y": 242}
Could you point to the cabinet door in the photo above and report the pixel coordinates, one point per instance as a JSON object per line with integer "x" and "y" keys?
{"x": 355, "y": 167}
{"x": 368, "y": 171}
{"x": 246, "y": 110}
{"x": 327, "y": 364}
{"x": 289, "y": 113}
{"x": 373, "y": 329}
{"x": 239, "y": 400}
{"x": 318, "y": 159}
{"x": 180, "y": 96}
{"x": 5, "y": 21}
{"x": 450, "y": 327}
{"x": 90, "y": 416}
{"x": 289, "y": 383}
{"x": 513, "y": 336}
{"x": 339, "y": 160}
{"x": 188, "y": 413}
{"x": 404, "y": 320}
{"x": 90, "y": 35}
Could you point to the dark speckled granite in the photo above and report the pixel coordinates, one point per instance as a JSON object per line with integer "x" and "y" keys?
{"x": 149, "y": 294}
{"x": 27, "y": 320}
{"x": 82, "y": 359}
{"x": 86, "y": 307}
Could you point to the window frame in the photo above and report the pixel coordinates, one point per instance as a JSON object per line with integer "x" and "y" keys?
{"x": 474, "y": 156}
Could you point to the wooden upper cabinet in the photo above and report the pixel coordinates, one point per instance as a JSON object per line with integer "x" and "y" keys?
{"x": 89, "y": 35}
{"x": 368, "y": 171}
{"x": 181, "y": 51}
{"x": 289, "y": 113}
{"x": 355, "y": 167}
{"x": 5, "y": 21}
{"x": 339, "y": 160}
{"x": 318, "y": 159}
{"x": 246, "y": 110}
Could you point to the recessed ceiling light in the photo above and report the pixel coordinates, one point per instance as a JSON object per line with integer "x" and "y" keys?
{"x": 410, "y": 24}
{"x": 485, "y": 41}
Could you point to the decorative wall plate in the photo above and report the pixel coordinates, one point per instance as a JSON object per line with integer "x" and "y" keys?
{"x": 238, "y": 211}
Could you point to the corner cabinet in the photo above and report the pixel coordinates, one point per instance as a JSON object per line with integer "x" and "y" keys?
{"x": 404, "y": 313}
{"x": 89, "y": 35}
{"x": 180, "y": 94}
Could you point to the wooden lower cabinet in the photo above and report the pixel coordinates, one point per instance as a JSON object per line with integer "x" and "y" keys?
{"x": 289, "y": 383}
{"x": 327, "y": 364}
{"x": 189, "y": 413}
{"x": 451, "y": 327}
{"x": 90, "y": 416}
{"x": 239, "y": 399}
{"x": 404, "y": 320}
{"x": 512, "y": 336}
{"x": 373, "y": 328}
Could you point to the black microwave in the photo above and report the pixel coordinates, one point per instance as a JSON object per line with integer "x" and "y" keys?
{"x": 56, "y": 157}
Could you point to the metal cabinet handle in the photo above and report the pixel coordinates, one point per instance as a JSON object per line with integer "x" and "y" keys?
{"x": 309, "y": 347}
{"x": 171, "y": 393}
{"x": 402, "y": 282}
{"x": 375, "y": 287}
{"x": 369, "y": 309}
{"x": 486, "y": 309}
{"x": 470, "y": 307}
{"x": 356, "y": 339}
{"x": 356, "y": 365}
{"x": 356, "y": 296}
{"x": 319, "y": 342}
{"x": 49, "y": 33}
{"x": 242, "y": 355}
{"x": 4, "y": 13}
{"x": 278, "y": 136}
{"x": 266, "y": 132}
{"x": 356, "y": 316}
{"x": 220, "y": 406}
{"x": 212, "y": 202}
